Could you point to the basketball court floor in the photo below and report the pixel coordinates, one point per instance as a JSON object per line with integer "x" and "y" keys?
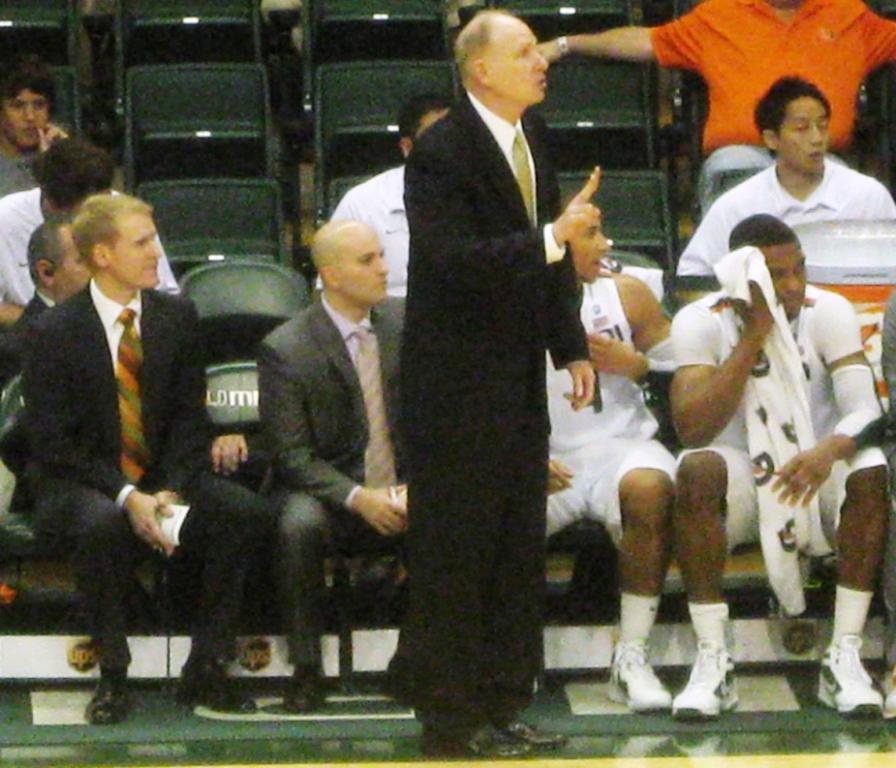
{"x": 778, "y": 724}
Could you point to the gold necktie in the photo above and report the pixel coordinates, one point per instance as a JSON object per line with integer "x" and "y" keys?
{"x": 134, "y": 451}
{"x": 523, "y": 172}
{"x": 379, "y": 458}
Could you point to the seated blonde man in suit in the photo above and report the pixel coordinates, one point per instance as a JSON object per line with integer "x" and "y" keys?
{"x": 118, "y": 434}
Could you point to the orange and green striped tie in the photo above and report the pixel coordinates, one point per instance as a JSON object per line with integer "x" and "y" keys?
{"x": 134, "y": 452}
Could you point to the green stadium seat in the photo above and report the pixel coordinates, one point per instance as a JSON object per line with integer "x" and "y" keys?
{"x": 875, "y": 132}
{"x": 201, "y": 220}
{"x": 46, "y": 27}
{"x": 232, "y": 400}
{"x": 177, "y": 31}
{"x": 195, "y": 121}
{"x": 886, "y": 8}
{"x": 734, "y": 176}
{"x": 352, "y": 30}
{"x": 355, "y": 122}
{"x": 635, "y": 208}
{"x": 601, "y": 112}
{"x": 551, "y": 18}
{"x": 171, "y": 31}
{"x": 632, "y": 259}
{"x": 232, "y": 405}
{"x": 240, "y": 302}
{"x": 67, "y": 104}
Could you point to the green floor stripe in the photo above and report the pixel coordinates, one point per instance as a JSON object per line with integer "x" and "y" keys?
{"x": 356, "y": 728}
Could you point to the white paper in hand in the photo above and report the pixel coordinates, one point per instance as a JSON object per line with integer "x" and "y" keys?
{"x": 171, "y": 525}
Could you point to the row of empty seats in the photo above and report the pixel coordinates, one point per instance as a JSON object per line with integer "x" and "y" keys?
{"x": 147, "y": 31}
{"x": 213, "y": 120}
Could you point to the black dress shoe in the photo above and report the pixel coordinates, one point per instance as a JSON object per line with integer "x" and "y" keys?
{"x": 206, "y": 683}
{"x": 110, "y": 703}
{"x": 304, "y": 693}
{"x": 485, "y": 742}
{"x": 523, "y": 733}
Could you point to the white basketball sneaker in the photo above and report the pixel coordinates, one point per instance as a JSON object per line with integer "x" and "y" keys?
{"x": 711, "y": 688}
{"x": 843, "y": 683}
{"x": 633, "y": 681}
{"x": 890, "y": 693}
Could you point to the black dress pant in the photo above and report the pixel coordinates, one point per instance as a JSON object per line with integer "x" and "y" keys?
{"x": 226, "y": 525}
{"x": 471, "y": 645}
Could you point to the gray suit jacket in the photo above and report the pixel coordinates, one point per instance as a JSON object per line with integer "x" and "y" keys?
{"x": 311, "y": 405}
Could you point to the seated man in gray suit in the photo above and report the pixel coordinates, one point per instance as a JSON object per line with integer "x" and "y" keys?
{"x": 328, "y": 382}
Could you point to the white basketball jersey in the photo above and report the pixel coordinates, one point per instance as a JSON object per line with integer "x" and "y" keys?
{"x": 624, "y": 413}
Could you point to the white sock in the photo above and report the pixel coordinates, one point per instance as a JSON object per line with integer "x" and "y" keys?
{"x": 637, "y": 615}
{"x": 850, "y": 612}
{"x": 709, "y": 620}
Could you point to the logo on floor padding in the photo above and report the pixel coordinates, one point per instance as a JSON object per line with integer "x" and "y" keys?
{"x": 254, "y": 653}
{"x": 83, "y": 655}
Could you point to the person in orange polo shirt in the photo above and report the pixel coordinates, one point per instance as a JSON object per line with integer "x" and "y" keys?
{"x": 741, "y": 47}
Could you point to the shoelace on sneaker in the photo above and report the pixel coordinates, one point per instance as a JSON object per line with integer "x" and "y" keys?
{"x": 845, "y": 656}
{"x": 632, "y": 653}
{"x": 706, "y": 667}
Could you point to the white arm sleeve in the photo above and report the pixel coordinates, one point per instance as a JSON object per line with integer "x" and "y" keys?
{"x": 705, "y": 247}
{"x": 696, "y": 337}
{"x": 661, "y": 356}
{"x": 881, "y": 203}
{"x": 835, "y": 331}
{"x": 856, "y": 398}
{"x": 347, "y": 208}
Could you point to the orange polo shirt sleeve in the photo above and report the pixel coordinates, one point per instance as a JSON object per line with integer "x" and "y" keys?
{"x": 880, "y": 40}
{"x": 740, "y": 47}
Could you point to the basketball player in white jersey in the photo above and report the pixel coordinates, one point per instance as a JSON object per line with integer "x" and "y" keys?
{"x": 720, "y": 346}
{"x": 606, "y": 464}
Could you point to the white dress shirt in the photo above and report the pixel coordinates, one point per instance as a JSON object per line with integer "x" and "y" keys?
{"x": 505, "y": 134}
{"x": 348, "y": 329}
{"x": 20, "y": 215}
{"x": 45, "y": 299}
{"x": 843, "y": 195}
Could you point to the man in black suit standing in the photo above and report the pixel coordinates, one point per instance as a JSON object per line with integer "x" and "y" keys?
{"x": 328, "y": 386}
{"x": 491, "y": 287}
{"x": 118, "y": 432}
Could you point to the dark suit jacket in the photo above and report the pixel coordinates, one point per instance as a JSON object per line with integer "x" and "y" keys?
{"x": 16, "y": 340}
{"x": 311, "y": 405}
{"x": 483, "y": 305}
{"x": 72, "y": 400}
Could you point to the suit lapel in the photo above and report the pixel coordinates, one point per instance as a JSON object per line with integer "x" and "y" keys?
{"x": 544, "y": 203}
{"x": 490, "y": 159}
{"x": 153, "y": 335}
{"x": 328, "y": 339}
{"x": 96, "y": 361}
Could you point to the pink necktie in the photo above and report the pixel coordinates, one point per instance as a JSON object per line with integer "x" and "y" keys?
{"x": 379, "y": 458}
